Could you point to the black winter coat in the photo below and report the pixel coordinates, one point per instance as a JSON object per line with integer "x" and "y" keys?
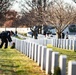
{"x": 6, "y": 35}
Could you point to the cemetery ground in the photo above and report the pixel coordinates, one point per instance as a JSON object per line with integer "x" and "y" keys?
{"x": 12, "y": 62}
{"x": 71, "y": 55}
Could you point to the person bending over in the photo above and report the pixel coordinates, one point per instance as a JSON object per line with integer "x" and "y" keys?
{"x": 5, "y": 38}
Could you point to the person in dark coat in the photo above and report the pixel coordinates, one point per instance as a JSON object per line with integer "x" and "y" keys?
{"x": 16, "y": 33}
{"x": 45, "y": 33}
{"x": 5, "y": 36}
{"x": 63, "y": 35}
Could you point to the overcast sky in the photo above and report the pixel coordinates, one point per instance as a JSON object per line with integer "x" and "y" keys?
{"x": 17, "y": 8}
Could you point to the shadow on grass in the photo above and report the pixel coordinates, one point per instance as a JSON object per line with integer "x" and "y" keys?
{"x": 10, "y": 63}
{"x": 13, "y": 72}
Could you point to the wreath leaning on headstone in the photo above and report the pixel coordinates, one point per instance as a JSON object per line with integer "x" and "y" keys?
{"x": 13, "y": 45}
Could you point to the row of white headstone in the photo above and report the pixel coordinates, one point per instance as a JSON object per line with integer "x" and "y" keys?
{"x": 46, "y": 58}
{"x": 69, "y": 44}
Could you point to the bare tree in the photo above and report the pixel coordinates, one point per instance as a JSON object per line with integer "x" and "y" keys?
{"x": 74, "y": 1}
{"x": 60, "y": 15}
{"x": 4, "y": 6}
{"x": 10, "y": 18}
{"x": 33, "y": 16}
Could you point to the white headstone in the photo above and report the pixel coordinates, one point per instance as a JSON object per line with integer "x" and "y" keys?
{"x": 36, "y": 53}
{"x": 72, "y": 68}
{"x": 55, "y": 58}
{"x": 48, "y": 61}
{"x": 43, "y": 58}
{"x": 39, "y": 54}
{"x": 62, "y": 64}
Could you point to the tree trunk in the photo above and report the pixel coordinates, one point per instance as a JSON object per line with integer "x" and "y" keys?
{"x": 59, "y": 35}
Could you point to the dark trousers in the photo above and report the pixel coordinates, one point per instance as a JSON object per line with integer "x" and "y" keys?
{"x": 4, "y": 40}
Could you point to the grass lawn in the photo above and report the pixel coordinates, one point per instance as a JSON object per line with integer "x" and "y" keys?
{"x": 12, "y": 62}
{"x": 71, "y": 55}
